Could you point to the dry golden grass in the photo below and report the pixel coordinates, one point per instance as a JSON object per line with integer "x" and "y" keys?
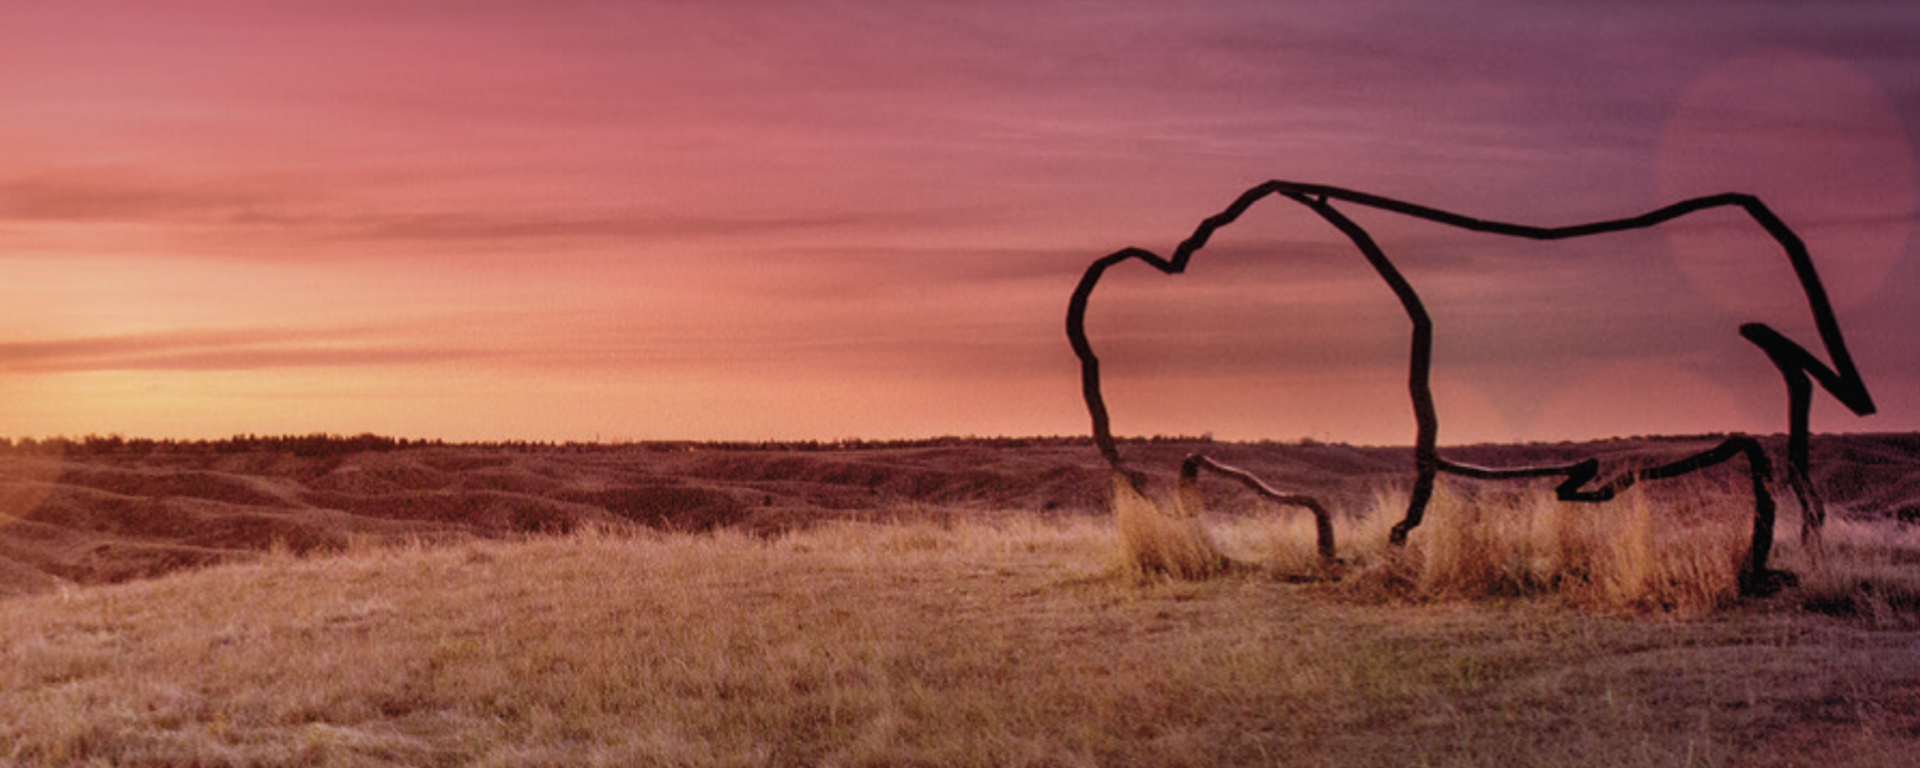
{"x": 1629, "y": 554}
{"x": 1163, "y": 538}
{"x": 1872, "y": 571}
{"x": 1680, "y": 552}
{"x": 913, "y": 644}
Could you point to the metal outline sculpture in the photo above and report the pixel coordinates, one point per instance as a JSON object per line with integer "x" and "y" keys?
{"x": 1799, "y": 368}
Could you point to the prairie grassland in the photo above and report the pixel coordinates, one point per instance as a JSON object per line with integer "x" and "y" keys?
{"x": 1009, "y": 643}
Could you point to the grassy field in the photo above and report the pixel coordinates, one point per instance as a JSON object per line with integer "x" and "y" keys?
{"x": 972, "y": 643}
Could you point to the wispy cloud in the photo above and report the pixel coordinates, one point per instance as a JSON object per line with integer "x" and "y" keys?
{"x": 119, "y": 194}
{"x": 236, "y": 215}
{"x": 219, "y": 350}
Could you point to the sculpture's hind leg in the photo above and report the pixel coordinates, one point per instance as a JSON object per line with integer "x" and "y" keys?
{"x": 1813, "y": 511}
{"x": 1756, "y": 579}
{"x": 1426, "y": 467}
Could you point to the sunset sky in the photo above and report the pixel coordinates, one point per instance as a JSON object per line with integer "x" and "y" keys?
{"x": 618, "y": 220}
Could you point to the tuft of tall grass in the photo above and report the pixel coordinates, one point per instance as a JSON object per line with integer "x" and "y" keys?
{"x": 1162, "y": 541}
{"x": 1634, "y": 552}
{"x": 1679, "y": 548}
{"x": 1675, "y": 547}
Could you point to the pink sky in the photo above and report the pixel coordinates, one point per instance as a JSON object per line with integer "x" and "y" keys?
{"x": 631, "y": 220}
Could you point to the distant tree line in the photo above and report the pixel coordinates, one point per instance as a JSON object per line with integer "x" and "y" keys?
{"x": 317, "y": 444}
{"x": 326, "y": 444}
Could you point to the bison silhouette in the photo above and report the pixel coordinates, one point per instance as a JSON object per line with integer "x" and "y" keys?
{"x": 1799, "y": 368}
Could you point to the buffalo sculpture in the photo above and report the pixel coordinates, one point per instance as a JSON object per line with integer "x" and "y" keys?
{"x": 1579, "y": 481}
